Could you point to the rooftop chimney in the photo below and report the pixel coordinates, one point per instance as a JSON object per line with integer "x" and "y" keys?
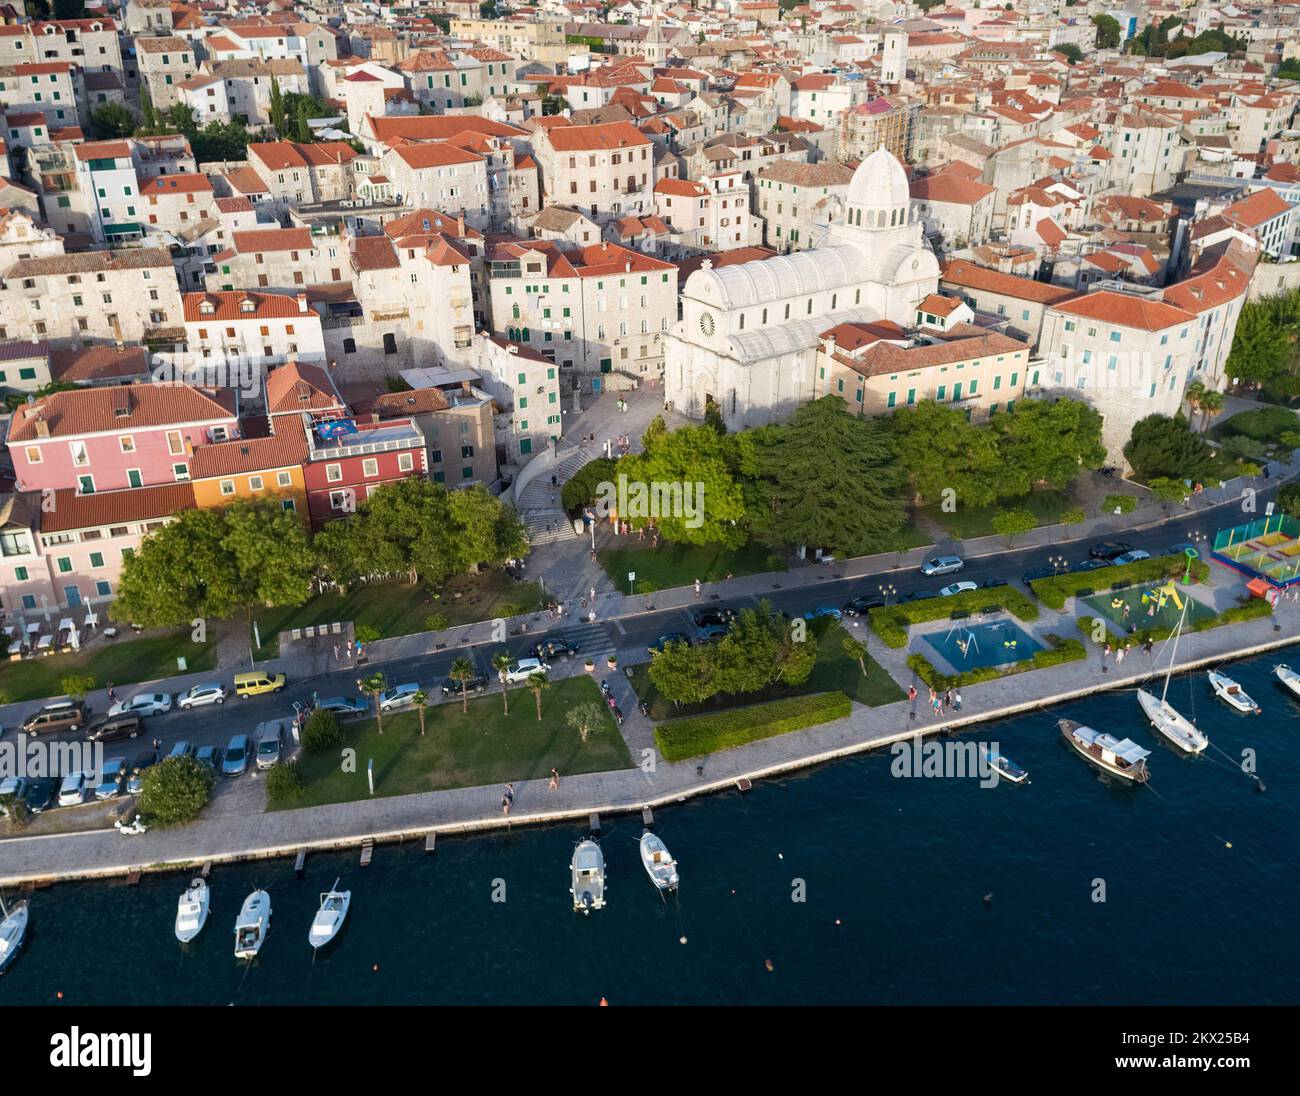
{"x": 302, "y": 302}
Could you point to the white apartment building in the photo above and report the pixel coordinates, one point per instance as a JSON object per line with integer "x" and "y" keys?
{"x": 607, "y": 169}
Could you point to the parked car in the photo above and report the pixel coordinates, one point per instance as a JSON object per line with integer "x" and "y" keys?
{"x": 210, "y": 757}
{"x": 398, "y": 696}
{"x": 713, "y": 632}
{"x": 111, "y": 778}
{"x": 475, "y": 684}
{"x": 74, "y": 790}
{"x": 667, "y": 638}
{"x": 1135, "y": 556}
{"x": 992, "y": 583}
{"x": 1108, "y": 549}
{"x": 235, "y": 762}
{"x": 143, "y": 704}
{"x": 1092, "y": 564}
{"x": 1038, "y": 572}
{"x": 211, "y": 692}
{"x": 40, "y": 794}
{"x": 258, "y": 682}
{"x": 524, "y": 669}
{"x": 942, "y": 565}
{"x": 114, "y": 728}
{"x": 545, "y": 649}
{"x": 345, "y": 707}
{"x": 270, "y": 744}
{"x": 716, "y": 615}
{"x": 963, "y": 587}
{"x": 135, "y": 780}
{"x": 1182, "y": 548}
{"x": 58, "y": 715}
{"x": 823, "y": 611}
{"x": 182, "y": 748}
{"x": 862, "y": 604}
{"x": 918, "y": 595}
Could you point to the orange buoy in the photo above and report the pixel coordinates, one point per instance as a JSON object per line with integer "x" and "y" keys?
{"x": 604, "y": 1003}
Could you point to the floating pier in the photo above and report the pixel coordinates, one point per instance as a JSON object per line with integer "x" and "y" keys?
{"x": 593, "y": 822}
{"x": 206, "y": 870}
{"x": 430, "y": 843}
{"x": 743, "y": 784}
{"x": 300, "y": 863}
{"x": 647, "y": 818}
{"x": 367, "y": 851}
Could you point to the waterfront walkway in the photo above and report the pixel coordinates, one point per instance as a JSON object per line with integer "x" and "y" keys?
{"x": 281, "y": 833}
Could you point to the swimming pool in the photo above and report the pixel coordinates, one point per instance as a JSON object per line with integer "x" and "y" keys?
{"x": 967, "y": 646}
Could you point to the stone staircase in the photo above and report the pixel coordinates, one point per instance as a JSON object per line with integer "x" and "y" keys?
{"x": 545, "y": 520}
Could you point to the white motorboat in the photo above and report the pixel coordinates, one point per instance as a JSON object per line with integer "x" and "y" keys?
{"x": 13, "y": 930}
{"x": 252, "y": 925}
{"x": 1164, "y": 717}
{"x": 588, "y": 870}
{"x": 330, "y": 917}
{"x": 1119, "y": 757}
{"x": 659, "y": 864}
{"x": 192, "y": 911}
{"x": 1288, "y": 677}
{"x": 1231, "y": 693}
{"x": 1004, "y": 766}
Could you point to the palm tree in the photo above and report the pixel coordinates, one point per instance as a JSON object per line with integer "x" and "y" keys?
{"x": 462, "y": 671}
{"x": 1195, "y": 396}
{"x": 1211, "y": 406}
{"x": 501, "y": 662}
{"x": 537, "y": 682}
{"x": 419, "y": 699}
{"x": 372, "y": 686}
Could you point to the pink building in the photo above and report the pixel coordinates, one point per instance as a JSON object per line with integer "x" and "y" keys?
{"x": 106, "y": 439}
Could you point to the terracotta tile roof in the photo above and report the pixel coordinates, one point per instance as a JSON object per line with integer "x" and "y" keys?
{"x": 951, "y": 188}
{"x": 936, "y": 305}
{"x": 272, "y": 239}
{"x": 884, "y": 357}
{"x": 1125, "y": 310}
{"x": 91, "y": 262}
{"x": 969, "y": 276}
{"x": 437, "y": 127}
{"x": 247, "y": 181}
{"x": 103, "y": 150}
{"x": 1257, "y": 208}
{"x": 283, "y": 449}
{"x": 440, "y": 154}
{"x": 228, "y": 305}
{"x": 373, "y": 253}
{"x": 1220, "y": 284}
{"x": 681, "y": 188}
{"x": 188, "y": 183}
{"x": 100, "y": 508}
{"x": 96, "y": 363}
{"x": 94, "y": 410}
{"x": 612, "y": 135}
{"x": 298, "y": 386}
{"x": 826, "y": 173}
{"x": 393, "y": 405}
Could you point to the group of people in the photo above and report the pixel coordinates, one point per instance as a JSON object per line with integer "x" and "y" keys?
{"x": 508, "y": 796}
{"x": 949, "y": 698}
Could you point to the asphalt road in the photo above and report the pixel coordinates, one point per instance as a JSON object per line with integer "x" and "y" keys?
{"x": 630, "y": 636}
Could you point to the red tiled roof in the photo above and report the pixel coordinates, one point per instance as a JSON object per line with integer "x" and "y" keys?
{"x": 969, "y": 276}
{"x": 71, "y": 510}
{"x": 1125, "y": 310}
{"x": 94, "y": 410}
{"x": 611, "y": 135}
{"x": 227, "y": 305}
{"x": 272, "y": 239}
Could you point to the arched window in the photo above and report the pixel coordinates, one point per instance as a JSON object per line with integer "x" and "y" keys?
{"x": 765, "y": 317}
{"x": 742, "y": 321}
{"x": 893, "y": 218}
{"x": 514, "y": 313}
{"x": 880, "y": 219}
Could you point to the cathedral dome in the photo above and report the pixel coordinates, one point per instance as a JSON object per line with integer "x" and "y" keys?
{"x": 879, "y": 181}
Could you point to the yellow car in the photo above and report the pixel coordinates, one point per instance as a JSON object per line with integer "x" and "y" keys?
{"x": 258, "y": 682}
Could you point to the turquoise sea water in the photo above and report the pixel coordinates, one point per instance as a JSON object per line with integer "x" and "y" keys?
{"x": 893, "y": 874}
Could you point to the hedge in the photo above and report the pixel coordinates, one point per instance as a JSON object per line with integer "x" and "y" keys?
{"x": 694, "y": 736}
{"x": 1061, "y": 651}
{"x": 1054, "y": 591}
{"x": 890, "y": 622}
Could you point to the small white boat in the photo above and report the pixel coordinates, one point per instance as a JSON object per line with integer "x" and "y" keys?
{"x": 1231, "y": 693}
{"x": 192, "y": 911}
{"x": 1166, "y": 719}
{"x": 1004, "y": 766}
{"x": 330, "y": 917}
{"x": 588, "y": 870}
{"x": 659, "y": 864}
{"x": 13, "y": 929}
{"x": 1118, "y": 756}
{"x": 253, "y": 924}
{"x": 1288, "y": 677}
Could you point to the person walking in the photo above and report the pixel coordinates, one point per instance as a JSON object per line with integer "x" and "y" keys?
{"x": 505, "y": 805}
{"x": 956, "y": 700}
{"x": 697, "y": 587}
{"x": 911, "y": 699}
{"x": 1119, "y": 655}
{"x": 1149, "y": 646}
{"x": 555, "y": 780}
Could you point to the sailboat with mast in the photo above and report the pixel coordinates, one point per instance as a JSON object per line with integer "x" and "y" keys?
{"x": 1164, "y": 717}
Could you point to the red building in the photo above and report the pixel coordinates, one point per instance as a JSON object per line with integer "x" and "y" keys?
{"x": 341, "y": 471}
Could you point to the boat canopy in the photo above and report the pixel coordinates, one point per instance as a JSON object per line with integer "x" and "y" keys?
{"x": 1125, "y": 749}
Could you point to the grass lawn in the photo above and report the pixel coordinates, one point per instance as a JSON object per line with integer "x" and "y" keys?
{"x": 397, "y": 609}
{"x": 121, "y": 661}
{"x": 460, "y": 750}
{"x": 977, "y": 521}
{"x": 672, "y": 565}
{"x": 834, "y": 672}
{"x": 1266, "y": 425}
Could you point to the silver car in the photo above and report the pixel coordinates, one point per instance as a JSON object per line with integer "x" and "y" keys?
{"x": 211, "y": 692}
{"x": 942, "y": 565}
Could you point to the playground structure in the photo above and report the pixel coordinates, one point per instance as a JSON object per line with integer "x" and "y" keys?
{"x": 1267, "y": 548}
{"x": 971, "y": 646}
{"x": 1159, "y": 605}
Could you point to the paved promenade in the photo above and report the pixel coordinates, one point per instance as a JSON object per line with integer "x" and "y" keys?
{"x": 280, "y": 833}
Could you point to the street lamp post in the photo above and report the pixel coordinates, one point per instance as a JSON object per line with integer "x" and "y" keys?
{"x": 887, "y": 590}
{"x": 1058, "y": 564}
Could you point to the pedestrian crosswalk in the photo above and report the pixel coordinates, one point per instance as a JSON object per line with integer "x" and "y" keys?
{"x": 591, "y": 640}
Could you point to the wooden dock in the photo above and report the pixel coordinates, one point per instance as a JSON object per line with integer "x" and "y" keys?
{"x": 367, "y": 851}
{"x": 743, "y": 784}
{"x": 300, "y": 863}
{"x": 431, "y": 843}
{"x": 647, "y": 818}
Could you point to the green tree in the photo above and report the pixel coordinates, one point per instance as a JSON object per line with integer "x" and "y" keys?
{"x": 284, "y": 782}
{"x": 462, "y": 672}
{"x": 1012, "y": 523}
{"x": 1108, "y": 31}
{"x": 148, "y": 115}
{"x": 582, "y": 488}
{"x": 373, "y": 686}
{"x": 1164, "y": 446}
{"x": 537, "y": 683}
{"x": 684, "y": 674}
{"x": 420, "y": 699}
{"x": 1261, "y": 348}
{"x": 175, "y": 791}
{"x": 111, "y": 121}
{"x": 832, "y": 480}
{"x": 586, "y": 719}
{"x": 271, "y": 553}
{"x": 940, "y": 450}
{"x": 77, "y": 686}
{"x": 1168, "y": 490}
{"x": 276, "y": 109}
{"x": 1125, "y": 504}
{"x": 181, "y": 571}
{"x": 1288, "y": 499}
{"x": 1046, "y": 442}
{"x": 302, "y": 127}
{"x": 321, "y": 732}
{"x": 1211, "y": 407}
{"x": 856, "y": 650}
{"x": 554, "y": 104}
{"x": 713, "y": 417}
{"x": 1073, "y": 516}
{"x": 501, "y": 663}
{"x": 1072, "y": 53}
